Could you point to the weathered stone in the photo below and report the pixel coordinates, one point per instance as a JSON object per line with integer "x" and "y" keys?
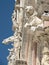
{"x": 31, "y": 33}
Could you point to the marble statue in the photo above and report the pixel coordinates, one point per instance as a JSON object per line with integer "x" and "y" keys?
{"x": 33, "y": 21}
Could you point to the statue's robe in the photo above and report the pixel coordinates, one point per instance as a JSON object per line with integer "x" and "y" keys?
{"x": 29, "y": 47}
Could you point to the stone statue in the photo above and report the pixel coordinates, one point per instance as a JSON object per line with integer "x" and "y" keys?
{"x": 33, "y": 20}
{"x": 32, "y": 23}
{"x": 14, "y": 21}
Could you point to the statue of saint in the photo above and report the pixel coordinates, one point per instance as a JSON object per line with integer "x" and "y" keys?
{"x": 32, "y": 20}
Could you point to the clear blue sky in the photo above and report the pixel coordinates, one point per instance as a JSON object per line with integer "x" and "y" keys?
{"x": 6, "y": 9}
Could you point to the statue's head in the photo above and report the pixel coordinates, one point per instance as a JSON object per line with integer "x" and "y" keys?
{"x": 29, "y": 10}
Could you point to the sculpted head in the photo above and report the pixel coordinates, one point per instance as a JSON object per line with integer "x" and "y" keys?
{"x": 29, "y": 10}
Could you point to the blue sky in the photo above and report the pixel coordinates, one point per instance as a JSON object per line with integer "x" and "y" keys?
{"x": 6, "y": 9}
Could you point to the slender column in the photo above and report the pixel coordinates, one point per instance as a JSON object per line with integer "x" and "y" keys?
{"x": 17, "y": 15}
{"x": 21, "y": 15}
{"x": 21, "y": 20}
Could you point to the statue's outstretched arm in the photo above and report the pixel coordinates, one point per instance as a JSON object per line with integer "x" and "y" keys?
{"x": 7, "y": 40}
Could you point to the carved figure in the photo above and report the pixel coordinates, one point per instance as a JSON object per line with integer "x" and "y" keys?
{"x": 33, "y": 20}
{"x": 14, "y": 21}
